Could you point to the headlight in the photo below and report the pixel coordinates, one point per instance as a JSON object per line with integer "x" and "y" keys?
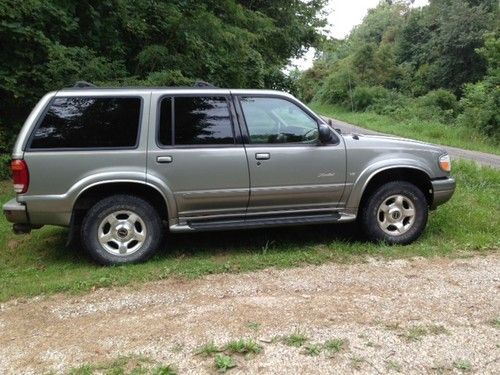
{"x": 445, "y": 162}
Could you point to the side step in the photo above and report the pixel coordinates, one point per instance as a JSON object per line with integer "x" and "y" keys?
{"x": 275, "y": 221}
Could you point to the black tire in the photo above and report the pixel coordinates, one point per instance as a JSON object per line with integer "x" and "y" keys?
{"x": 146, "y": 223}
{"x": 372, "y": 220}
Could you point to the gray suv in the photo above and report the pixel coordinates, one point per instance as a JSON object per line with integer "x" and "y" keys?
{"x": 118, "y": 165}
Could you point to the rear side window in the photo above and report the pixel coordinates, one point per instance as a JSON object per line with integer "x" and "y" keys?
{"x": 200, "y": 120}
{"x": 89, "y": 122}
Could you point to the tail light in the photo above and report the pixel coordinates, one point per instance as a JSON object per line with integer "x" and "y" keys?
{"x": 20, "y": 176}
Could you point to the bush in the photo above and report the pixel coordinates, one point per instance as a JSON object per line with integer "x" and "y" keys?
{"x": 366, "y": 96}
{"x": 337, "y": 87}
{"x": 481, "y": 109}
{"x": 443, "y": 99}
{"x": 4, "y": 166}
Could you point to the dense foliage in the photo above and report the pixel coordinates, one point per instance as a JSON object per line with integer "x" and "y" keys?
{"x": 438, "y": 62}
{"x": 49, "y": 44}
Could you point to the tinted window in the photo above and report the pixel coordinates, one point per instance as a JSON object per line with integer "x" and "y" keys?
{"x": 198, "y": 120}
{"x": 166, "y": 128}
{"x": 81, "y": 122}
{"x": 275, "y": 120}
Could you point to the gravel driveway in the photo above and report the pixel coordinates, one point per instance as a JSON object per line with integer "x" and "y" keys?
{"x": 455, "y": 153}
{"x": 411, "y": 316}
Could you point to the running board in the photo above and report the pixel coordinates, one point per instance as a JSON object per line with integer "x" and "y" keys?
{"x": 263, "y": 222}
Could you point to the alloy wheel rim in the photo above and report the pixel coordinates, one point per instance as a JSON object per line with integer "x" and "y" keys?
{"x": 122, "y": 233}
{"x": 396, "y": 215}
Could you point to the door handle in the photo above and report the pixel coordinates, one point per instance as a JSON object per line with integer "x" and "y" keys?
{"x": 262, "y": 156}
{"x": 164, "y": 159}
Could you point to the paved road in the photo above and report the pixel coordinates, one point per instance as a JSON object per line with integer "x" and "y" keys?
{"x": 455, "y": 153}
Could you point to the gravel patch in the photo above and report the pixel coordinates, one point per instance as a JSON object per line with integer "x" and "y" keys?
{"x": 411, "y": 316}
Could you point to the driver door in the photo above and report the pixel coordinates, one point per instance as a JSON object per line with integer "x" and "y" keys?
{"x": 290, "y": 170}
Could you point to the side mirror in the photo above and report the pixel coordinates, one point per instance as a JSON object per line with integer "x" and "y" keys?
{"x": 330, "y": 122}
{"x": 325, "y": 134}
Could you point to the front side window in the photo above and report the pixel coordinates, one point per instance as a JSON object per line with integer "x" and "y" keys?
{"x": 89, "y": 122}
{"x": 197, "y": 120}
{"x": 275, "y": 120}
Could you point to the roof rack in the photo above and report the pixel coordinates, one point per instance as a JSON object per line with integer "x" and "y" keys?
{"x": 204, "y": 84}
{"x": 81, "y": 84}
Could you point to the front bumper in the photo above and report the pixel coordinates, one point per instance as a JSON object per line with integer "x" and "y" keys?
{"x": 15, "y": 212}
{"x": 442, "y": 190}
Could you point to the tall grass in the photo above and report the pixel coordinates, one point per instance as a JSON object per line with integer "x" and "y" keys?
{"x": 425, "y": 130}
{"x": 40, "y": 263}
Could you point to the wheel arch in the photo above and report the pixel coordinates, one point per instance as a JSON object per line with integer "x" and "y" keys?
{"x": 415, "y": 175}
{"x": 93, "y": 193}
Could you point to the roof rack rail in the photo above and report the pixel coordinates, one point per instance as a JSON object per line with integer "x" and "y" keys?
{"x": 204, "y": 84}
{"x": 81, "y": 84}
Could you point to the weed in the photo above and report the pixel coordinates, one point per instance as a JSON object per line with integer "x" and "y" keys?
{"x": 253, "y": 326}
{"x": 243, "y": 347}
{"x": 208, "y": 349}
{"x": 164, "y": 370}
{"x": 224, "y": 362}
{"x": 125, "y": 365}
{"x": 312, "y": 349}
{"x": 392, "y": 326}
{"x": 437, "y": 330}
{"x": 463, "y": 365}
{"x": 414, "y": 333}
{"x": 335, "y": 345}
{"x": 356, "y": 362}
{"x": 296, "y": 339}
{"x": 393, "y": 366}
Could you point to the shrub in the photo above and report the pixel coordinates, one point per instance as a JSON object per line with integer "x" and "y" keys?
{"x": 337, "y": 87}
{"x": 442, "y": 99}
{"x": 481, "y": 109}
{"x": 366, "y": 96}
{"x": 4, "y": 166}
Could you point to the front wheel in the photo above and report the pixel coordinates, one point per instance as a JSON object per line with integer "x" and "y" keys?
{"x": 395, "y": 213}
{"x": 121, "y": 229}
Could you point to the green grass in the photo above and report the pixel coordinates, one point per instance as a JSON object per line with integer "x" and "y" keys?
{"x": 133, "y": 365}
{"x": 208, "y": 349}
{"x": 243, "y": 347}
{"x": 224, "y": 362}
{"x": 335, "y": 345}
{"x": 40, "y": 263}
{"x": 296, "y": 339}
{"x": 429, "y": 131}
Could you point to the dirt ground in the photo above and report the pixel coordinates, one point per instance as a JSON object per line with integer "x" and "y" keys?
{"x": 410, "y": 316}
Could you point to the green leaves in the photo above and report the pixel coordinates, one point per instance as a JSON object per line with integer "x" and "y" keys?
{"x": 46, "y": 45}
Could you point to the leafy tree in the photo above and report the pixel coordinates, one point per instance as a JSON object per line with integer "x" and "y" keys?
{"x": 49, "y": 44}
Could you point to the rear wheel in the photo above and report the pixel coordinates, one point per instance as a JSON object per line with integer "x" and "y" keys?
{"x": 121, "y": 229}
{"x": 396, "y": 213}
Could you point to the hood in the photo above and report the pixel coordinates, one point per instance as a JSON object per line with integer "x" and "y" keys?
{"x": 383, "y": 141}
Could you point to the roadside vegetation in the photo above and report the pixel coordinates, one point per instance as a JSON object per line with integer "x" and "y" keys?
{"x": 40, "y": 263}
{"x": 424, "y": 130}
{"x": 430, "y": 73}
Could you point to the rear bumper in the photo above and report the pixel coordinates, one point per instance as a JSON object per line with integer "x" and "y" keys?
{"x": 15, "y": 212}
{"x": 442, "y": 190}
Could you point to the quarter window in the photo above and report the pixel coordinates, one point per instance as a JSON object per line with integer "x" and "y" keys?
{"x": 197, "y": 120}
{"x": 275, "y": 120}
{"x": 85, "y": 122}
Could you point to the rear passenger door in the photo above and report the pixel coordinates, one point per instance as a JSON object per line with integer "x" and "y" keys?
{"x": 197, "y": 152}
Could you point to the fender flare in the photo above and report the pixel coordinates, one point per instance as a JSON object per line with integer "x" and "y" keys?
{"x": 370, "y": 172}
